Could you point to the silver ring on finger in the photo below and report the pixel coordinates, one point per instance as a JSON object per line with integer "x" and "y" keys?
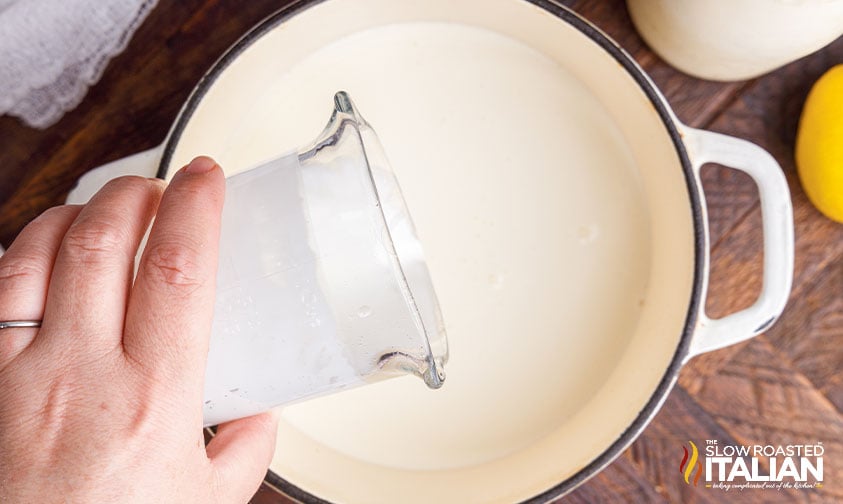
{"x": 8, "y": 324}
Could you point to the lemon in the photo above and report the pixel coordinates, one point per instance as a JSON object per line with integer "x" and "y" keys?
{"x": 819, "y": 144}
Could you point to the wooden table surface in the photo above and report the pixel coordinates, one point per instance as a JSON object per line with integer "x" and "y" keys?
{"x": 779, "y": 388}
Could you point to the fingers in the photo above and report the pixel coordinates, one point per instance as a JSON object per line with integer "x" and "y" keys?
{"x": 92, "y": 274}
{"x": 25, "y": 271}
{"x": 168, "y": 322}
{"x": 240, "y": 454}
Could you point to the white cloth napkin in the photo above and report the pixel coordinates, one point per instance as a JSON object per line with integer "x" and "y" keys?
{"x": 51, "y": 51}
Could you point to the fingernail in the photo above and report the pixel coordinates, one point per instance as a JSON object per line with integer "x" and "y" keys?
{"x": 201, "y": 164}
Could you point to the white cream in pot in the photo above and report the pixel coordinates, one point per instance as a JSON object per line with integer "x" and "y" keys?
{"x": 500, "y": 153}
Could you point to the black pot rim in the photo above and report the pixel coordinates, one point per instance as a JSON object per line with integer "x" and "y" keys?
{"x": 659, "y": 103}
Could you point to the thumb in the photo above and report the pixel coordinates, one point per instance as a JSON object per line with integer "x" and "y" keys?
{"x": 240, "y": 453}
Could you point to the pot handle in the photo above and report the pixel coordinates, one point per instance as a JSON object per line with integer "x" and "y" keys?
{"x": 777, "y": 225}
{"x": 144, "y": 164}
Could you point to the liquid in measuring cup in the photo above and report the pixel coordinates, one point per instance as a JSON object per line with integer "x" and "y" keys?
{"x": 322, "y": 283}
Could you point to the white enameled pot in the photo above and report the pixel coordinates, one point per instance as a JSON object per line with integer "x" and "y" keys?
{"x": 559, "y": 202}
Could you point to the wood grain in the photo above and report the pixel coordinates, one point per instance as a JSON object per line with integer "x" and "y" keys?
{"x": 784, "y": 386}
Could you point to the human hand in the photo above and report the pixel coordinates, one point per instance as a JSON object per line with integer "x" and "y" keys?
{"x": 103, "y": 403}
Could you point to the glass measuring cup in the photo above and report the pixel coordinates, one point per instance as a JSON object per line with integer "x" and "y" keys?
{"x": 322, "y": 284}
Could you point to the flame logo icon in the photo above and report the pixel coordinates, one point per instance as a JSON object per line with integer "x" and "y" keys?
{"x": 686, "y": 467}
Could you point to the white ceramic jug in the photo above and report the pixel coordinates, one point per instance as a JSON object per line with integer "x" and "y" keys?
{"x": 730, "y": 40}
